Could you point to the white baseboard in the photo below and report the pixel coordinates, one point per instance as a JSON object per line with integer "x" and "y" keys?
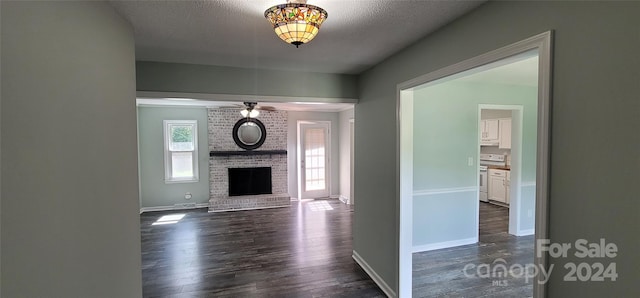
{"x": 526, "y": 232}
{"x": 376, "y": 278}
{"x": 334, "y": 197}
{"x": 167, "y": 208}
{"x": 445, "y": 244}
{"x": 344, "y": 199}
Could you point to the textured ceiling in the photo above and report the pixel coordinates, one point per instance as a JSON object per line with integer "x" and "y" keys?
{"x": 356, "y": 35}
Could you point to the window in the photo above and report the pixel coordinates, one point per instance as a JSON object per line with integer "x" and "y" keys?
{"x": 180, "y": 151}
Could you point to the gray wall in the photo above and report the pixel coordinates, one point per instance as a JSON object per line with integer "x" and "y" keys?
{"x": 595, "y": 113}
{"x": 154, "y": 191}
{"x": 292, "y": 154}
{"x": 178, "y": 77}
{"x": 70, "y": 224}
{"x": 1, "y": 95}
{"x": 345, "y": 153}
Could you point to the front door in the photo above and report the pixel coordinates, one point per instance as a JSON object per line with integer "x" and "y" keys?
{"x": 314, "y": 160}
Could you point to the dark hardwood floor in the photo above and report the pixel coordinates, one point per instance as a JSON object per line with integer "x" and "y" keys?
{"x": 440, "y": 273}
{"x": 301, "y": 251}
{"x": 305, "y": 251}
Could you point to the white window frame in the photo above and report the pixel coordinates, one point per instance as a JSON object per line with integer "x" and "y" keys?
{"x": 167, "y": 153}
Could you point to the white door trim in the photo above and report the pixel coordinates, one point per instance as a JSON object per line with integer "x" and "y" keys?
{"x": 542, "y": 43}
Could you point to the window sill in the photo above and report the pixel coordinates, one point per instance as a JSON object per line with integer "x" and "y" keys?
{"x": 174, "y": 181}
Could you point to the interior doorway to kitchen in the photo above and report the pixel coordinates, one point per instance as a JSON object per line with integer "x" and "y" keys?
{"x": 500, "y": 158}
{"x": 442, "y": 180}
{"x": 449, "y": 217}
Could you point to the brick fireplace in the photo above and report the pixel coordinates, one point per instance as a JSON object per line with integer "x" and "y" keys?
{"x": 225, "y": 155}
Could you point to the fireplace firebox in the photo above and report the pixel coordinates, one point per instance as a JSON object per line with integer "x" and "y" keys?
{"x": 249, "y": 181}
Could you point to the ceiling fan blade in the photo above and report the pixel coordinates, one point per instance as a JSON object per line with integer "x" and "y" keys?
{"x": 266, "y": 108}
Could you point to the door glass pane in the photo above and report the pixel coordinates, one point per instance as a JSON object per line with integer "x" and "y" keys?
{"x": 182, "y": 164}
{"x": 315, "y": 158}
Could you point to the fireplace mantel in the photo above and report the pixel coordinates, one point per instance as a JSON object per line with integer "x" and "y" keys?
{"x": 247, "y": 153}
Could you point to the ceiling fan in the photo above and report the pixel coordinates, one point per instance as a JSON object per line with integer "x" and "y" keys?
{"x": 250, "y": 109}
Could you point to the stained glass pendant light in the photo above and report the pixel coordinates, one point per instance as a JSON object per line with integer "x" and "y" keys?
{"x": 296, "y": 22}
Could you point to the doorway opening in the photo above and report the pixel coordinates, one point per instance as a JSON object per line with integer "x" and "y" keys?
{"x": 352, "y": 150}
{"x": 505, "y": 151}
{"x": 314, "y": 150}
{"x": 445, "y": 181}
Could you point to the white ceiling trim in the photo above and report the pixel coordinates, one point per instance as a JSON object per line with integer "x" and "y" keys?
{"x": 286, "y": 103}
{"x": 240, "y": 98}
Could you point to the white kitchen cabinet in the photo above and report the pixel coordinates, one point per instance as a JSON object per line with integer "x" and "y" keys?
{"x": 505, "y": 134}
{"x": 496, "y": 132}
{"x": 498, "y": 186}
{"x": 490, "y": 130}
